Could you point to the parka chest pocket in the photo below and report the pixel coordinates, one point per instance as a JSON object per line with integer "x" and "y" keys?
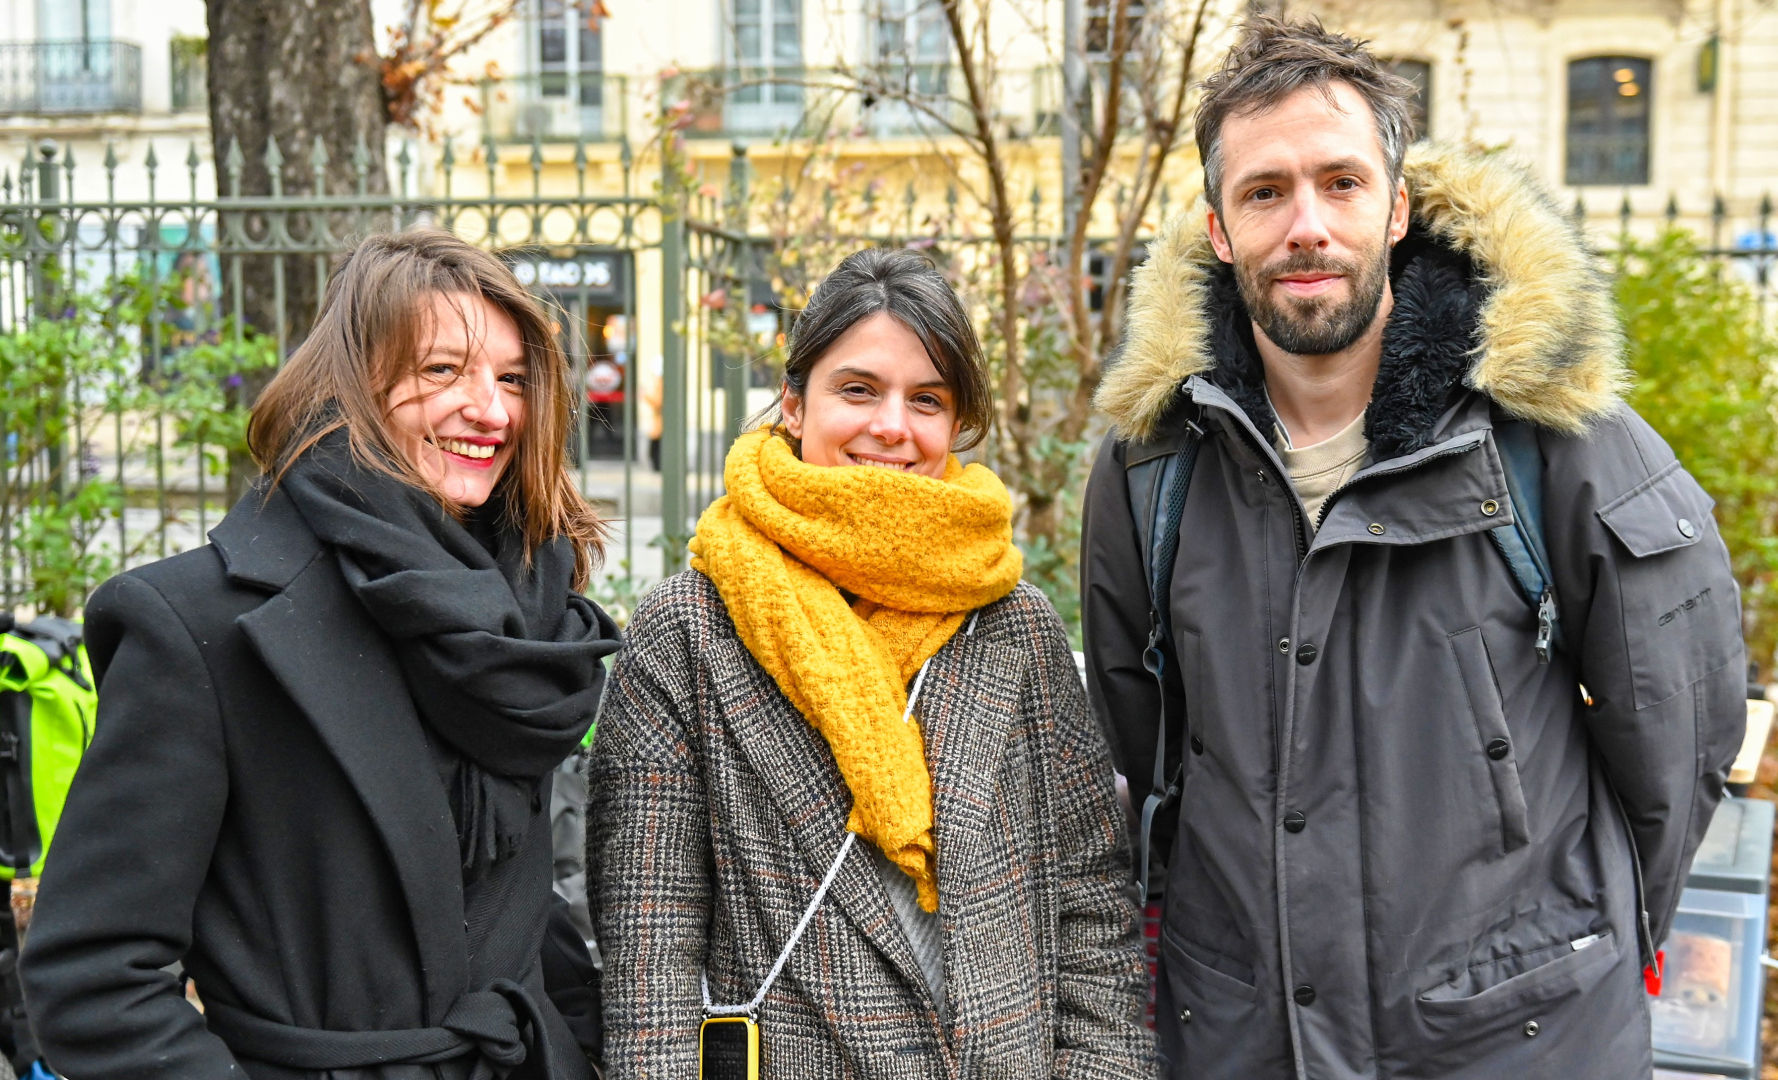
{"x": 1681, "y": 608}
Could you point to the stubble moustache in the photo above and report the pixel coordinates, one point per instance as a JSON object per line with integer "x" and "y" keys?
{"x": 1314, "y": 326}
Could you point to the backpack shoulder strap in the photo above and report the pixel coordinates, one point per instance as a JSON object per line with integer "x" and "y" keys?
{"x": 1159, "y": 477}
{"x": 60, "y": 639}
{"x": 1522, "y": 542}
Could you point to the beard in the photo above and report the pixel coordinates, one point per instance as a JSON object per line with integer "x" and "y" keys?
{"x": 1317, "y": 325}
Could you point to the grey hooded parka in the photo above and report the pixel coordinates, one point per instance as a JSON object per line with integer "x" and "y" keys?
{"x": 1405, "y": 848}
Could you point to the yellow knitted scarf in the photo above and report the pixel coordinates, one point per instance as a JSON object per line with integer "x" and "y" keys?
{"x": 918, "y": 554}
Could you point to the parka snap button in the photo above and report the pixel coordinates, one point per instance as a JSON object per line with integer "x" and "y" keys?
{"x": 1284, "y": 645}
{"x": 1185, "y": 1016}
{"x": 1687, "y": 529}
{"x": 1197, "y": 745}
{"x": 1490, "y": 508}
{"x": 1306, "y": 653}
{"x": 1498, "y": 748}
{"x": 1377, "y": 528}
{"x": 1295, "y": 821}
{"x": 1531, "y": 1029}
{"x": 1305, "y": 995}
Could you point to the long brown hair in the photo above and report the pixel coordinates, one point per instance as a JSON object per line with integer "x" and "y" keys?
{"x": 374, "y": 320}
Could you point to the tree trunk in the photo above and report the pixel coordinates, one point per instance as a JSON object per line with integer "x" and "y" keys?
{"x": 295, "y": 71}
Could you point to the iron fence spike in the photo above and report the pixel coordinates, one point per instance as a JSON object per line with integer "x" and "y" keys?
{"x": 192, "y": 160}
{"x": 361, "y": 156}
{"x": 150, "y": 160}
{"x": 404, "y": 159}
{"x": 1672, "y": 208}
{"x": 449, "y": 158}
{"x": 318, "y": 156}
{"x": 236, "y": 160}
{"x": 580, "y": 153}
{"x": 274, "y": 158}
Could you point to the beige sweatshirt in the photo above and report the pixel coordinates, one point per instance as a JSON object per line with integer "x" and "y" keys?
{"x": 1318, "y": 471}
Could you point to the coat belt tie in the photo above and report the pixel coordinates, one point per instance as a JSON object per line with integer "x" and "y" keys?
{"x": 501, "y": 1025}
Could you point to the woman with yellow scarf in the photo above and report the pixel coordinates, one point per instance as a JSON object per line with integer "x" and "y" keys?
{"x": 849, "y": 814}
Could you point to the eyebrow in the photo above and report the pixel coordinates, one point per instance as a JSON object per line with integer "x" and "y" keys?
{"x": 864, "y": 373}
{"x": 1272, "y": 175}
{"x": 522, "y": 360}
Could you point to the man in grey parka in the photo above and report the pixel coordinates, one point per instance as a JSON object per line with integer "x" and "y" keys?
{"x": 1406, "y": 845}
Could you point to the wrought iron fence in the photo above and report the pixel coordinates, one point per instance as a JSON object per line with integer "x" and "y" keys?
{"x": 123, "y": 337}
{"x": 123, "y": 341}
{"x": 1739, "y": 233}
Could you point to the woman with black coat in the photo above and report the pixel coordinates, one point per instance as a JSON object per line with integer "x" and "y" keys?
{"x": 320, "y": 773}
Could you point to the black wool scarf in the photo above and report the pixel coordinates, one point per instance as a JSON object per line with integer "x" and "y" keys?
{"x": 502, "y": 659}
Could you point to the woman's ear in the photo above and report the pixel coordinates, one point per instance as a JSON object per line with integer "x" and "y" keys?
{"x": 790, "y": 404}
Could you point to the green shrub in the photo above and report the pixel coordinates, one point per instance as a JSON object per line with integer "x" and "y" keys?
{"x": 1703, "y": 359}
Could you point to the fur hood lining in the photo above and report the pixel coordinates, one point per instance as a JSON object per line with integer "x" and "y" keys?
{"x": 1547, "y": 346}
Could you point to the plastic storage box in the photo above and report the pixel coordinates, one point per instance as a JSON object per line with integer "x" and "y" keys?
{"x": 1706, "y": 1021}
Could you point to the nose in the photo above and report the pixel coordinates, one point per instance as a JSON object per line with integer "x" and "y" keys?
{"x": 889, "y": 421}
{"x": 1308, "y": 230}
{"x": 484, "y": 405}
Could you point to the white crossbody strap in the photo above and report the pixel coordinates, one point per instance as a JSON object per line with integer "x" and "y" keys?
{"x": 752, "y": 1007}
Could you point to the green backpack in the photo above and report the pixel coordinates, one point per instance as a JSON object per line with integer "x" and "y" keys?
{"x": 47, "y": 705}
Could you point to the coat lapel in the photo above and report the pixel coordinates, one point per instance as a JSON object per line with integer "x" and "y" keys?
{"x": 967, "y": 709}
{"x": 339, "y": 669}
{"x": 798, "y": 769}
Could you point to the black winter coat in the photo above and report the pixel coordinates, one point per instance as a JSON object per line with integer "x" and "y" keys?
{"x": 260, "y": 803}
{"x": 1406, "y": 849}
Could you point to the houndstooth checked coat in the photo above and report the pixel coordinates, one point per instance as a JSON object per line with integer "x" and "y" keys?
{"x": 716, "y": 809}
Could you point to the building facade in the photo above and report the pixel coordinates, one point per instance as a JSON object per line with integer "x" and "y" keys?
{"x": 98, "y": 75}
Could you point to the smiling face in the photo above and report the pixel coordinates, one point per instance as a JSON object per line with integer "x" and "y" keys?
{"x": 875, "y": 399}
{"x": 1308, "y": 216}
{"x": 459, "y": 414}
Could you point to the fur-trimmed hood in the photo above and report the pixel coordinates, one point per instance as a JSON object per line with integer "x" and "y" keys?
{"x": 1494, "y": 290}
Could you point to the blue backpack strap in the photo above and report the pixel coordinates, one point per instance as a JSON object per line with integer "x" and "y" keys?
{"x": 1158, "y": 482}
{"x": 1522, "y": 541}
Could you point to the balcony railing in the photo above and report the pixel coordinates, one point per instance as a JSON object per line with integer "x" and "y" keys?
{"x": 885, "y": 101}
{"x": 57, "y": 78}
{"x": 555, "y": 106}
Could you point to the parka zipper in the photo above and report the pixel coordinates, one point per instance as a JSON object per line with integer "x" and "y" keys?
{"x": 1327, "y": 504}
{"x": 1296, "y": 504}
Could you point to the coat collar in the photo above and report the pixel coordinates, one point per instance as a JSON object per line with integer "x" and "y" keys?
{"x": 966, "y": 711}
{"x": 264, "y": 542}
{"x": 1538, "y": 332}
{"x": 798, "y": 771}
{"x": 339, "y": 669}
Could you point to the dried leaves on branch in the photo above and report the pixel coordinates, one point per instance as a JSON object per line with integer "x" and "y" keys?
{"x": 416, "y": 63}
{"x": 1051, "y": 326}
